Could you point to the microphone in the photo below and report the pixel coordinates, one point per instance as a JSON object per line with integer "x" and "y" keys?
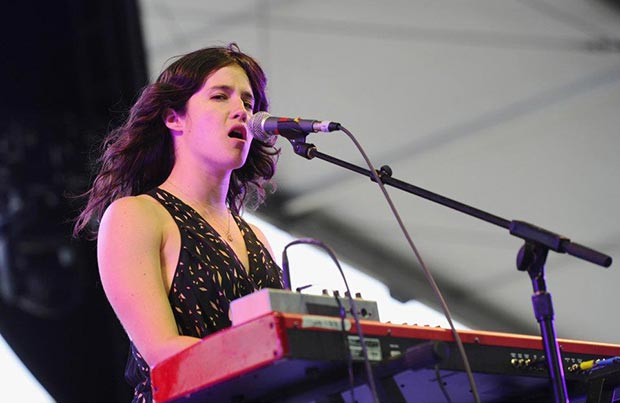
{"x": 264, "y": 126}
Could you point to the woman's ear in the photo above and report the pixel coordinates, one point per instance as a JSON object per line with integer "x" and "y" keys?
{"x": 173, "y": 120}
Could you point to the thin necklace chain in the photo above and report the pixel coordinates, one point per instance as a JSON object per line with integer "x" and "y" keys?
{"x": 207, "y": 208}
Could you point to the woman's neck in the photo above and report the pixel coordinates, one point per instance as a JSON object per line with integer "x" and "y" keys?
{"x": 204, "y": 188}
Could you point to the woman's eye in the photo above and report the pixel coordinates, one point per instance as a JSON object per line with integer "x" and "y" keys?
{"x": 248, "y": 105}
{"x": 219, "y": 96}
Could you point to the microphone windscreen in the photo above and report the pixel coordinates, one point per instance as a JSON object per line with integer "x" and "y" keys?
{"x": 255, "y": 125}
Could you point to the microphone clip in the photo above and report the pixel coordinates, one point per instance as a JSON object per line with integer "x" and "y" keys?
{"x": 300, "y": 147}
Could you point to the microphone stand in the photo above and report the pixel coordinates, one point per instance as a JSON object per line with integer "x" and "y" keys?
{"x": 531, "y": 257}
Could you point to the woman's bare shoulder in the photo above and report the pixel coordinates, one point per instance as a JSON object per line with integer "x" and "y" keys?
{"x": 134, "y": 213}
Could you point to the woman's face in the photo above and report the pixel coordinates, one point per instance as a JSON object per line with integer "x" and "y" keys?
{"x": 213, "y": 130}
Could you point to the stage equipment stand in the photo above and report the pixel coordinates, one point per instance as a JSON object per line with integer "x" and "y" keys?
{"x": 531, "y": 257}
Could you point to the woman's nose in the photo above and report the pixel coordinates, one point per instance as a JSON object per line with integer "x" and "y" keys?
{"x": 240, "y": 111}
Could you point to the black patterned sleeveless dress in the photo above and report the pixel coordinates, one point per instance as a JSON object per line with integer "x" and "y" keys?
{"x": 208, "y": 276}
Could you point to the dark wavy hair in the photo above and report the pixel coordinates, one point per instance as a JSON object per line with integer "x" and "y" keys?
{"x": 138, "y": 155}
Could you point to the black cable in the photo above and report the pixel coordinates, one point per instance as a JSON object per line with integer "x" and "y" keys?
{"x": 442, "y": 384}
{"x": 427, "y": 273}
{"x": 360, "y": 334}
{"x": 347, "y": 348}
